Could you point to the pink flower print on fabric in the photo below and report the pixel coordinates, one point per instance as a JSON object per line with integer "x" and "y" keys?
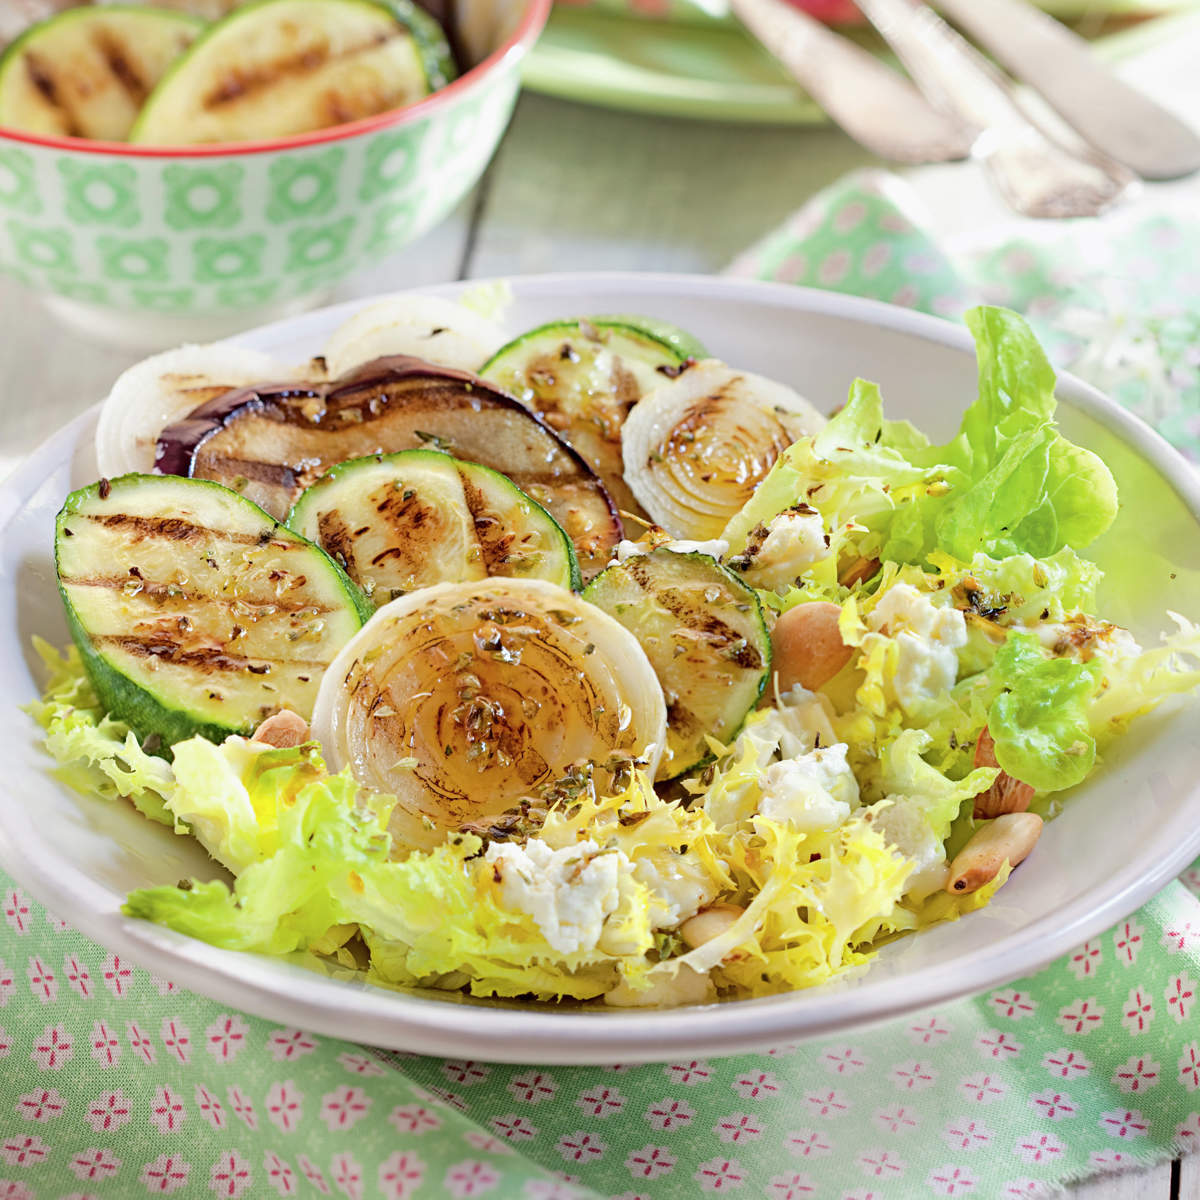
{"x": 106, "y": 1046}
{"x": 1085, "y": 961}
{"x": 280, "y": 1175}
{"x": 24, "y": 1151}
{"x": 1180, "y": 995}
{"x": 896, "y": 1120}
{"x": 95, "y": 1163}
{"x": 76, "y": 974}
{"x": 140, "y": 1043}
{"x": 1038, "y": 1148}
{"x": 951, "y": 1181}
{"x": 231, "y": 1176}
{"x": 1124, "y": 1123}
{"x": 913, "y": 1076}
{"x": 470, "y": 1178}
{"x": 54, "y": 1049}
{"x": 1127, "y": 941}
{"x": 720, "y": 1175}
{"x": 361, "y": 1064}
{"x": 167, "y": 1112}
{"x": 601, "y": 1102}
{"x": 994, "y": 1044}
{"x": 166, "y": 1174}
{"x": 834, "y": 268}
{"x": 464, "y": 1073}
{"x": 177, "y": 1039}
{"x": 827, "y": 1103}
{"x": 983, "y": 1088}
{"x": 1066, "y": 1064}
{"x": 486, "y": 1142}
{"x": 7, "y": 983}
{"x": 650, "y": 1162}
{"x": 1137, "y": 1075}
{"x": 109, "y": 1110}
{"x": 225, "y": 1038}
{"x": 400, "y": 1174}
{"x": 791, "y": 1187}
{"x": 808, "y": 1143}
{"x": 284, "y": 1105}
{"x": 117, "y": 975}
{"x": 756, "y": 1085}
{"x": 16, "y": 911}
{"x": 737, "y": 1128}
{"x": 313, "y": 1174}
{"x": 1139, "y": 1011}
{"x": 533, "y": 1087}
{"x": 348, "y": 1175}
{"x": 1053, "y": 1105}
{"x": 844, "y": 1060}
{"x": 1189, "y": 1067}
{"x": 210, "y": 1107}
{"x": 514, "y": 1128}
{"x": 1081, "y": 1017}
{"x": 669, "y": 1114}
{"x": 42, "y": 981}
{"x": 41, "y": 1106}
{"x": 581, "y": 1147}
{"x": 691, "y": 1074}
{"x": 415, "y": 1118}
{"x": 344, "y": 1107}
{"x": 286, "y": 1044}
{"x": 967, "y": 1134}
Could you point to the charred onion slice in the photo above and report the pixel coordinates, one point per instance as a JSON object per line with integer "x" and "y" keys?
{"x": 194, "y": 611}
{"x": 696, "y": 447}
{"x": 398, "y": 522}
{"x": 703, "y": 631}
{"x": 465, "y": 698}
{"x": 271, "y": 443}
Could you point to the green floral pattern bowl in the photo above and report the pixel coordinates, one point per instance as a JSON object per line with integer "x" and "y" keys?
{"x": 145, "y": 245}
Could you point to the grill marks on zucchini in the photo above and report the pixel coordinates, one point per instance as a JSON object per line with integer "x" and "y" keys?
{"x": 583, "y": 377}
{"x": 194, "y": 611}
{"x": 403, "y": 521}
{"x": 283, "y": 67}
{"x": 271, "y": 443}
{"x": 87, "y": 72}
{"x": 704, "y": 634}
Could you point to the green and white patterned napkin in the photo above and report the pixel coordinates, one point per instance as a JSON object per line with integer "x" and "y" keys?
{"x": 116, "y": 1084}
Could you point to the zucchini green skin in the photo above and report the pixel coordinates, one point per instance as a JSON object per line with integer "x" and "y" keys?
{"x": 681, "y": 341}
{"x": 353, "y": 507}
{"x": 149, "y": 712}
{"x": 12, "y": 56}
{"x": 429, "y": 40}
{"x": 705, "y": 634}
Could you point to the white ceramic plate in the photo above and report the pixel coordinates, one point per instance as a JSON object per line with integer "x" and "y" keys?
{"x": 1133, "y": 827}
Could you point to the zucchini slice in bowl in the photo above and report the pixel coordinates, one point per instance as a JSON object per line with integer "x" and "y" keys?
{"x": 398, "y": 522}
{"x": 704, "y": 633}
{"x": 195, "y": 611}
{"x": 583, "y": 376}
{"x": 276, "y": 68}
{"x": 87, "y": 72}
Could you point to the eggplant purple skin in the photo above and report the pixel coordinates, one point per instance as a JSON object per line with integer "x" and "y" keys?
{"x": 180, "y": 443}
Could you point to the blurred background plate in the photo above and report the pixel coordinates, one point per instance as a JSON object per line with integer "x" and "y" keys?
{"x": 709, "y": 69}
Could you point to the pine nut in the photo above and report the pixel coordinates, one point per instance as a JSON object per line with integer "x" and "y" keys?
{"x": 1009, "y": 838}
{"x": 284, "y": 730}
{"x": 1006, "y": 794}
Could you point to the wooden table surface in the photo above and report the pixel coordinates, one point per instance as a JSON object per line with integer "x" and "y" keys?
{"x": 576, "y": 188}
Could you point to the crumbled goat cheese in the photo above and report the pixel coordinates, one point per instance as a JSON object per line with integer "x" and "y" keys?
{"x": 793, "y": 543}
{"x": 901, "y": 822}
{"x": 814, "y": 792}
{"x": 927, "y": 638}
{"x": 568, "y": 892}
{"x": 679, "y": 886}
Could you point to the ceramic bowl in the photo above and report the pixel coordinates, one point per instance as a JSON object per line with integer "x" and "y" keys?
{"x": 1132, "y": 827}
{"x": 149, "y": 245}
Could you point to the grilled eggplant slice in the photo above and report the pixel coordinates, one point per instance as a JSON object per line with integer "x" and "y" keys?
{"x": 696, "y": 447}
{"x": 465, "y": 699}
{"x": 194, "y": 611}
{"x": 271, "y": 443}
{"x": 398, "y": 522}
{"x": 583, "y": 377}
{"x": 86, "y": 72}
{"x": 282, "y": 67}
{"x": 703, "y": 631}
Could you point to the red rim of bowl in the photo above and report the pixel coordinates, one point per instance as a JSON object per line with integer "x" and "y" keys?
{"x": 536, "y": 13}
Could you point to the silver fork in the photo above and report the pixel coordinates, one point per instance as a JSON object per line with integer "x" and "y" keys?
{"x": 875, "y": 105}
{"x": 1037, "y": 175}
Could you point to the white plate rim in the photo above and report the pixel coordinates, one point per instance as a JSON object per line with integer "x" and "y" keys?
{"x": 389, "y": 1019}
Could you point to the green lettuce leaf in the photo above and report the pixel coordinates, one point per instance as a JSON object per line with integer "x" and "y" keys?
{"x": 1039, "y": 722}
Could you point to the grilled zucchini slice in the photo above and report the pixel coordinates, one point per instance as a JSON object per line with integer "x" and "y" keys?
{"x": 582, "y": 377}
{"x": 704, "y": 633}
{"x": 194, "y": 611}
{"x": 397, "y": 522}
{"x": 87, "y": 72}
{"x": 281, "y": 67}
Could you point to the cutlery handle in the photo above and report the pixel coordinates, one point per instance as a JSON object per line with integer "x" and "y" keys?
{"x": 1037, "y": 176}
{"x": 1115, "y": 118}
{"x": 875, "y": 105}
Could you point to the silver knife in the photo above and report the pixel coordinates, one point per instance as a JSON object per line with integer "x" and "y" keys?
{"x": 1115, "y": 118}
